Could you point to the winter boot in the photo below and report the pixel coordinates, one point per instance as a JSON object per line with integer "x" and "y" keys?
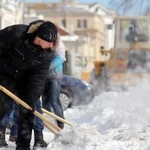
{"x": 39, "y": 141}
{"x": 2, "y": 138}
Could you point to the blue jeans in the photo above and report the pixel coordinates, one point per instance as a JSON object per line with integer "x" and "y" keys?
{"x": 51, "y": 100}
{"x": 38, "y": 123}
{"x": 7, "y": 120}
{"x": 14, "y": 128}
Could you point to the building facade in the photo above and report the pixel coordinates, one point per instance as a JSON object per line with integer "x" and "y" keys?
{"x": 11, "y": 12}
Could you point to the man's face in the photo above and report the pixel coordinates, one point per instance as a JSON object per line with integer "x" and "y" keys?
{"x": 44, "y": 44}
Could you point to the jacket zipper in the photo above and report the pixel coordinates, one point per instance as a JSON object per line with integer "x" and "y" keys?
{"x": 35, "y": 61}
{"x": 20, "y": 53}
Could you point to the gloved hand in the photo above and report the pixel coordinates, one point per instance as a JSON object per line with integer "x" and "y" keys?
{"x": 32, "y": 105}
{"x": 32, "y": 102}
{"x": 60, "y": 124}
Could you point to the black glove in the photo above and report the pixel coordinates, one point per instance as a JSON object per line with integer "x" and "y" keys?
{"x": 32, "y": 103}
{"x": 60, "y": 124}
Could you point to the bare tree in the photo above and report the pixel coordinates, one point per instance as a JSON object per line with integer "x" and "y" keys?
{"x": 134, "y": 7}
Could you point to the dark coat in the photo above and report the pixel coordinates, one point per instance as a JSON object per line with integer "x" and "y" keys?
{"x": 25, "y": 62}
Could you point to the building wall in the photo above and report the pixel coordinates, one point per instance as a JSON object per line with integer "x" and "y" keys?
{"x": 110, "y": 32}
{"x": 93, "y": 35}
{"x": 11, "y": 12}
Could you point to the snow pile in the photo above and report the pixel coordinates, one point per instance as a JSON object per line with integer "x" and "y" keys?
{"x": 79, "y": 137}
{"x": 112, "y": 121}
{"x": 118, "y": 121}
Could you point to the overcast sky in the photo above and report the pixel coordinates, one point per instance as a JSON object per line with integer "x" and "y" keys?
{"x": 104, "y": 2}
{"x": 135, "y": 7}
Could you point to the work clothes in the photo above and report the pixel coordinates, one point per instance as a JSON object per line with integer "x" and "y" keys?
{"x": 51, "y": 94}
{"x": 23, "y": 69}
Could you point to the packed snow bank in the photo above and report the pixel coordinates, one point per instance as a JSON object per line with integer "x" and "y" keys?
{"x": 112, "y": 121}
{"x": 118, "y": 121}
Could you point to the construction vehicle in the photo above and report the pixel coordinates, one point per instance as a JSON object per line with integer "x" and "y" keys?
{"x": 128, "y": 62}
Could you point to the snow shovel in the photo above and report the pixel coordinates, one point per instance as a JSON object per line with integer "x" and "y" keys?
{"x": 49, "y": 124}
{"x": 56, "y": 117}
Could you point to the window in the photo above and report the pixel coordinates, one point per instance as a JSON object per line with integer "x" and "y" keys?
{"x": 85, "y": 23}
{"x": 109, "y": 26}
{"x": 78, "y": 23}
{"x": 64, "y": 23}
{"x": 78, "y": 61}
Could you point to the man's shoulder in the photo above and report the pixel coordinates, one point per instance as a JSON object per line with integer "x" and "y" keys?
{"x": 18, "y": 30}
{"x": 20, "y": 27}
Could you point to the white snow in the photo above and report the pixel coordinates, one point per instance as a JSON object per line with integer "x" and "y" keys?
{"x": 112, "y": 121}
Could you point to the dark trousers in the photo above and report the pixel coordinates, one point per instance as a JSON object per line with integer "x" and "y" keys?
{"x": 51, "y": 96}
{"x": 25, "y": 125}
{"x": 5, "y": 101}
{"x": 25, "y": 122}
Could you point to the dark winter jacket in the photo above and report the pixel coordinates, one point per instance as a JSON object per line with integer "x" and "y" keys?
{"x": 20, "y": 58}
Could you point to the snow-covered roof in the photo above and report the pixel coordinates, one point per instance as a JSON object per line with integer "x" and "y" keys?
{"x": 66, "y": 35}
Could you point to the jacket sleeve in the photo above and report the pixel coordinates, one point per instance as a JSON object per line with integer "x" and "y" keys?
{"x": 59, "y": 56}
{"x": 36, "y": 82}
{"x": 57, "y": 61}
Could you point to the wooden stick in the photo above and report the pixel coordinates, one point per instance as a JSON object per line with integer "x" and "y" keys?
{"x": 46, "y": 120}
{"x": 21, "y": 102}
{"x": 50, "y": 128}
{"x": 56, "y": 117}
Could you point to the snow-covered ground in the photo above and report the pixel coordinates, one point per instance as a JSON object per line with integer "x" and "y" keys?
{"x": 112, "y": 121}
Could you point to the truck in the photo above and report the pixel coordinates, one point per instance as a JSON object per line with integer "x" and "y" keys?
{"x": 128, "y": 62}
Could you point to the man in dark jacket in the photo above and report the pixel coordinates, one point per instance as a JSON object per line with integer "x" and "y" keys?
{"x": 25, "y": 56}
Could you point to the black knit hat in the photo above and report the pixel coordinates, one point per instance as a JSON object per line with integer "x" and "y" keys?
{"x": 47, "y": 31}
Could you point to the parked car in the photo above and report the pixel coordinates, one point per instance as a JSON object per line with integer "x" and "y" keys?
{"x": 75, "y": 92}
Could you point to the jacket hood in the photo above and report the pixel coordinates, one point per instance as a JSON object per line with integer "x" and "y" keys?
{"x": 33, "y": 26}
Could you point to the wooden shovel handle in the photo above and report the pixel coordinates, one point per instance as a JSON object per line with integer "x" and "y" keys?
{"x": 50, "y": 128}
{"x": 56, "y": 117}
{"x": 21, "y": 102}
